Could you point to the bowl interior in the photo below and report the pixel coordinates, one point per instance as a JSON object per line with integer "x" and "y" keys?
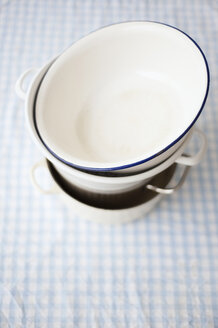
{"x": 121, "y": 94}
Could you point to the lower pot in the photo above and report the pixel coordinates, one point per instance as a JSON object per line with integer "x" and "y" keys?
{"x": 111, "y": 209}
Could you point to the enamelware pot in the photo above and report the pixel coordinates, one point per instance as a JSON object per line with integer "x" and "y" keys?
{"x": 110, "y": 209}
{"x": 91, "y": 182}
{"x": 122, "y": 98}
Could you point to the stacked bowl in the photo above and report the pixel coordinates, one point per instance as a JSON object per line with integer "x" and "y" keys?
{"x": 119, "y": 106}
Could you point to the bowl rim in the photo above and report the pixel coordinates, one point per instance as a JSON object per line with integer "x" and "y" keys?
{"x": 106, "y": 168}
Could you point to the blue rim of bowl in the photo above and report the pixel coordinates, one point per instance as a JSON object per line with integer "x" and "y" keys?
{"x": 80, "y": 167}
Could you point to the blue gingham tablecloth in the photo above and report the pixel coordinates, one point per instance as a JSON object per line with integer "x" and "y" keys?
{"x": 58, "y": 270}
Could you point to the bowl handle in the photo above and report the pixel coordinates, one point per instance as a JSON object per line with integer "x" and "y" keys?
{"x": 19, "y": 88}
{"x": 52, "y": 190}
{"x": 191, "y": 160}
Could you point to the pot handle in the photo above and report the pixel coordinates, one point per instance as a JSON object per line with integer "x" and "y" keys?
{"x": 19, "y": 89}
{"x": 188, "y": 161}
{"x": 52, "y": 190}
{"x": 191, "y": 160}
{"x": 168, "y": 191}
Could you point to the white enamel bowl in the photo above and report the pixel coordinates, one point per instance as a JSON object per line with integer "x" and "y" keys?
{"x": 122, "y": 98}
{"x": 91, "y": 182}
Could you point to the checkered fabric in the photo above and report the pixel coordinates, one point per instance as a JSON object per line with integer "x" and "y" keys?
{"x": 58, "y": 270}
